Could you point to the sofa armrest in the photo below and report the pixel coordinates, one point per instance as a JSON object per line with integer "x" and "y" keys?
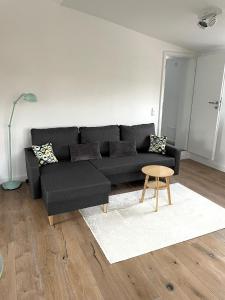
{"x": 33, "y": 173}
{"x": 176, "y": 153}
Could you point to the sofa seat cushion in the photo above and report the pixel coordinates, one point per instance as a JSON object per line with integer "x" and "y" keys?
{"x": 69, "y": 181}
{"x": 131, "y": 164}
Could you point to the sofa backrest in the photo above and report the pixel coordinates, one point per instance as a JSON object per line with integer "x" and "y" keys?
{"x": 102, "y": 134}
{"x": 138, "y": 133}
{"x": 60, "y": 138}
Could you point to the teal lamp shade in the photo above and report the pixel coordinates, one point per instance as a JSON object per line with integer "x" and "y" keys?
{"x": 29, "y": 97}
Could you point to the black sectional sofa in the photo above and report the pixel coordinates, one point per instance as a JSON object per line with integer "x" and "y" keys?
{"x": 67, "y": 186}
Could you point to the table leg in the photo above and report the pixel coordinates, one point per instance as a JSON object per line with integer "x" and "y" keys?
{"x": 168, "y": 190}
{"x": 157, "y": 194}
{"x": 144, "y": 189}
{"x": 51, "y": 220}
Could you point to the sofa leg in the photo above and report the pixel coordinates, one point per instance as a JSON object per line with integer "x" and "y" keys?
{"x": 105, "y": 208}
{"x": 51, "y": 220}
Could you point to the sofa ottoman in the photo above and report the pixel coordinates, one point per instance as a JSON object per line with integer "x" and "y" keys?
{"x": 70, "y": 186}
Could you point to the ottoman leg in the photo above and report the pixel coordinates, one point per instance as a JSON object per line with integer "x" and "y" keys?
{"x": 51, "y": 220}
{"x": 105, "y": 208}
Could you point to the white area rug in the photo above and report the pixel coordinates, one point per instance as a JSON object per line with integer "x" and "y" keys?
{"x": 131, "y": 228}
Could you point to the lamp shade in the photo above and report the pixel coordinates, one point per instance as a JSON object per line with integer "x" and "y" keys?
{"x": 29, "y": 97}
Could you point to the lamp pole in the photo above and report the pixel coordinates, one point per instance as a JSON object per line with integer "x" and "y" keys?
{"x": 10, "y": 138}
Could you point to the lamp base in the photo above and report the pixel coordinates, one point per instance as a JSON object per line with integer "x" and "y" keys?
{"x": 11, "y": 185}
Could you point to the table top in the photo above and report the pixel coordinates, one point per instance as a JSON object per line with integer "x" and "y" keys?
{"x": 157, "y": 171}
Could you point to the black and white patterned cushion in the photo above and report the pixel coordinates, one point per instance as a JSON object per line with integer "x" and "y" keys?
{"x": 45, "y": 154}
{"x": 158, "y": 144}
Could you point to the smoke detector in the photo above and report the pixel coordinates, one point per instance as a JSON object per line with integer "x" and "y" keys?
{"x": 208, "y": 17}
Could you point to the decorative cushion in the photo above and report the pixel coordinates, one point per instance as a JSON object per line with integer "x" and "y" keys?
{"x": 122, "y": 148}
{"x": 85, "y": 151}
{"x": 45, "y": 154}
{"x": 139, "y": 134}
{"x": 157, "y": 144}
{"x": 60, "y": 137}
{"x": 102, "y": 134}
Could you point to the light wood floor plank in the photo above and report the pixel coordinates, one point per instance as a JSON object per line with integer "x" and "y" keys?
{"x": 8, "y": 288}
{"x": 64, "y": 261}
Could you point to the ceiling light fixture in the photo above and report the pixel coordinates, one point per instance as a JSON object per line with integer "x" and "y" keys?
{"x": 208, "y": 17}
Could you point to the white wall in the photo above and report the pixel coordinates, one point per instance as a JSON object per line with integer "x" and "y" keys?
{"x": 84, "y": 71}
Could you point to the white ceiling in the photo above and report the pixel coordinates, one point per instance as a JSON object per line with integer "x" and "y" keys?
{"x": 170, "y": 20}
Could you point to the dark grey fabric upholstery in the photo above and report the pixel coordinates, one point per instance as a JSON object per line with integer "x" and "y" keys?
{"x": 131, "y": 164}
{"x": 102, "y": 134}
{"x": 67, "y": 186}
{"x": 33, "y": 172}
{"x": 72, "y": 184}
{"x": 126, "y": 177}
{"x": 122, "y": 148}
{"x": 81, "y": 177}
{"x": 176, "y": 153}
{"x": 60, "y": 138}
{"x": 85, "y": 152}
{"x": 72, "y": 204}
{"x": 138, "y": 133}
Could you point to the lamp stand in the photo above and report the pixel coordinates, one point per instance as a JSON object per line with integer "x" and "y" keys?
{"x": 11, "y": 184}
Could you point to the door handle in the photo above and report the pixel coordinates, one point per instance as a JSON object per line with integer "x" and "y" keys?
{"x": 214, "y": 102}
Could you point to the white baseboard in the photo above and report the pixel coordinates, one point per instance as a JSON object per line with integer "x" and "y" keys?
{"x": 209, "y": 163}
{"x": 202, "y": 160}
{"x": 185, "y": 155}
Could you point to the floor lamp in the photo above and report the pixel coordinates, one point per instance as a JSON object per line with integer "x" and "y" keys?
{"x": 12, "y": 184}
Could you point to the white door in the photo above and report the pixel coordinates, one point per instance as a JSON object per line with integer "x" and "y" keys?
{"x": 207, "y": 99}
{"x": 185, "y": 103}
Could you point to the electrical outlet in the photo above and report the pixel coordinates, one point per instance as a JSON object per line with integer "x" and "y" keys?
{"x": 152, "y": 112}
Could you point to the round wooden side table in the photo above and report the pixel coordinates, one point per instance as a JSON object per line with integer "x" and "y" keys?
{"x": 158, "y": 172}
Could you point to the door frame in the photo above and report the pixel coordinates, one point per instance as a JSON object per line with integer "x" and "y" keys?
{"x": 167, "y": 55}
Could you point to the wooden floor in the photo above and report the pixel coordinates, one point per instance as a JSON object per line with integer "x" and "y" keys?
{"x": 65, "y": 262}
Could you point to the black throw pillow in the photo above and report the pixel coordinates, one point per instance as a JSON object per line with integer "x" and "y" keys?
{"x": 122, "y": 148}
{"x": 85, "y": 151}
